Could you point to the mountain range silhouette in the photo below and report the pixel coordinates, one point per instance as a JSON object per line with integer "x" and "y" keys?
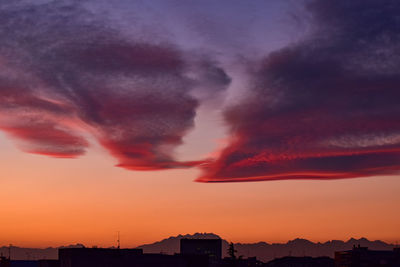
{"x": 262, "y": 250}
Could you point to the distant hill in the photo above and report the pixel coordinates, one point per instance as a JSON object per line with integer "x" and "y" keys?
{"x": 266, "y": 251}
{"x": 262, "y": 250}
{"x": 302, "y": 247}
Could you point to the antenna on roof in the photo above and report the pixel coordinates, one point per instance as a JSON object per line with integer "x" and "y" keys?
{"x": 118, "y": 242}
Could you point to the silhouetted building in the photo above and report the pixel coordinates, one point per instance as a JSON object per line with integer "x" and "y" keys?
{"x": 100, "y": 257}
{"x": 4, "y": 262}
{"x": 210, "y": 247}
{"x": 301, "y": 262}
{"x": 363, "y": 257}
{"x": 240, "y": 262}
{"x": 83, "y": 257}
{"x": 23, "y": 263}
{"x": 49, "y": 263}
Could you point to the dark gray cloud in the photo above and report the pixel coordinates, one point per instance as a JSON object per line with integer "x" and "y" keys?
{"x": 65, "y": 72}
{"x": 325, "y": 107}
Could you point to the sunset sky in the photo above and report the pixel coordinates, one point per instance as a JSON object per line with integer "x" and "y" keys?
{"x": 254, "y": 120}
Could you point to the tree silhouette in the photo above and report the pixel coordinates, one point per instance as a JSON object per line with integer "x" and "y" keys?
{"x": 232, "y": 251}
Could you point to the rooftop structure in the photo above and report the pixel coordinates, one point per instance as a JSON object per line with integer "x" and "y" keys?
{"x": 210, "y": 247}
{"x": 100, "y": 257}
{"x": 363, "y": 257}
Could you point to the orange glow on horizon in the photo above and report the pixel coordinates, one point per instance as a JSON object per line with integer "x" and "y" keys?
{"x": 53, "y": 202}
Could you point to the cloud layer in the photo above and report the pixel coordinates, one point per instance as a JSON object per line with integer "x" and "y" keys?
{"x": 65, "y": 75}
{"x": 325, "y": 107}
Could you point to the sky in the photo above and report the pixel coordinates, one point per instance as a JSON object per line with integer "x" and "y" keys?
{"x": 261, "y": 120}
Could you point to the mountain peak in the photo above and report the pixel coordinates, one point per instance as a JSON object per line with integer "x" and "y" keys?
{"x": 300, "y": 241}
{"x": 195, "y": 235}
{"x": 171, "y": 244}
{"x": 203, "y": 236}
{"x": 362, "y": 239}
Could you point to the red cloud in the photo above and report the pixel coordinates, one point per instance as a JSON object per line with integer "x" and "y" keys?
{"x": 46, "y": 139}
{"x": 134, "y": 97}
{"x": 325, "y": 108}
